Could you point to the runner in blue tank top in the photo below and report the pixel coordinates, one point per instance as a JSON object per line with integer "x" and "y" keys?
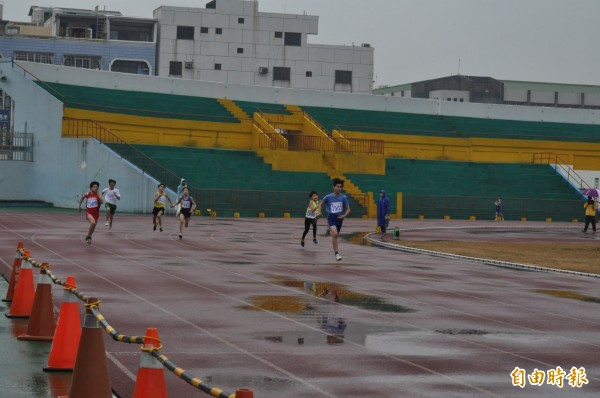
{"x": 338, "y": 207}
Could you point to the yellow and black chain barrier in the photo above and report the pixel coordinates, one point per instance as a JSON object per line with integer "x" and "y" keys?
{"x": 94, "y": 308}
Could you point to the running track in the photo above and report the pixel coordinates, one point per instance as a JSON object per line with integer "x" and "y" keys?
{"x": 237, "y": 303}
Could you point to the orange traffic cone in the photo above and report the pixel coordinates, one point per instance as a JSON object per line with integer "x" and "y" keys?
{"x": 67, "y": 334}
{"x": 24, "y": 292}
{"x": 244, "y": 393}
{"x": 150, "y": 382}
{"x": 42, "y": 323}
{"x": 90, "y": 375}
{"x": 14, "y": 274}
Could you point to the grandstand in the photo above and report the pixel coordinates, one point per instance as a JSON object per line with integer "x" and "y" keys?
{"x": 246, "y": 152}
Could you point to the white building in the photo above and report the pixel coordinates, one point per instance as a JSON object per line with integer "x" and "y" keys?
{"x": 229, "y": 41}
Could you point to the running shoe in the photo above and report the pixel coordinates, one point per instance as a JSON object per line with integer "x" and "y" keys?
{"x": 338, "y": 257}
{"x": 154, "y": 229}
{"x": 302, "y": 242}
{"x": 315, "y": 241}
{"x": 106, "y": 224}
{"x": 161, "y": 229}
{"x": 180, "y": 236}
{"x": 88, "y": 240}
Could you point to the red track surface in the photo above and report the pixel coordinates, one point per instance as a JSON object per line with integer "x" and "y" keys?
{"x": 237, "y": 304}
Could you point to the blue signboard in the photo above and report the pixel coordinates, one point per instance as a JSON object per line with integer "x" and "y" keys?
{"x": 5, "y": 120}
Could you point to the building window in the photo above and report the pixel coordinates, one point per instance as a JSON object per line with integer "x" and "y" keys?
{"x": 292, "y": 39}
{"x": 126, "y": 66}
{"x": 42, "y": 58}
{"x": 308, "y": 73}
{"x": 219, "y": 31}
{"x": 240, "y": 50}
{"x": 343, "y": 77}
{"x": 185, "y": 32}
{"x": 281, "y": 73}
{"x": 203, "y": 30}
{"x": 278, "y": 35}
{"x": 240, "y": 20}
{"x": 217, "y": 66}
{"x": 462, "y": 100}
{"x": 82, "y": 61}
{"x": 175, "y": 68}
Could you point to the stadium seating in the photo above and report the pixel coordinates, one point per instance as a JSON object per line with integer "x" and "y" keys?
{"x": 449, "y": 126}
{"x": 460, "y": 189}
{"x": 234, "y": 180}
{"x": 140, "y": 103}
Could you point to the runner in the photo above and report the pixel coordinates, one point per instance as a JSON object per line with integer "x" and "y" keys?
{"x": 159, "y": 206}
{"x": 182, "y": 184}
{"x": 111, "y": 195}
{"x": 338, "y": 207}
{"x": 92, "y": 208}
{"x": 188, "y": 205}
{"x": 311, "y": 217}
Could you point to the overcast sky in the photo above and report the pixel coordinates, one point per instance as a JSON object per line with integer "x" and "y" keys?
{"x": 535, "y": 40}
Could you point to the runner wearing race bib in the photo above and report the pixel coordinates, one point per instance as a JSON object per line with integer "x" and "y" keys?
{"x": 160, "y": 198}
{"x": 188, "y": 205}
{"x": 312, "y": 213}
{"x": 111, "y": 195}
{"x": 92, "y": 208}
{"x": 338, "y": 207}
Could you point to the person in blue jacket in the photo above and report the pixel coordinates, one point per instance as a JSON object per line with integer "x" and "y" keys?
{"x": 338, "y": 208}
{"x": 383, "y": 212}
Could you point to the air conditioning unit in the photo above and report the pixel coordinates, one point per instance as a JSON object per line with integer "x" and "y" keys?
{"x": 365, "y": 45}
{"x": 263, "y": 70}
{"x": 189, "y": 65}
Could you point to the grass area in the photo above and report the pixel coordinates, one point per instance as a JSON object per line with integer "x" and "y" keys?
{"x": 579, "y": 257}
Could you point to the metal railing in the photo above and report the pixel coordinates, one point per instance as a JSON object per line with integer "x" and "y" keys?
{"x": 226, "y": 202}
{"x": 301, "y": 142}
{"x": 16, "y": 146}
{"x": 567, "y": 171}
{"x": 86, "y": 128}
{"x": 482, "y": 207}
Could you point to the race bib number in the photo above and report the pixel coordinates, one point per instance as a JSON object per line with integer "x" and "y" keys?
{"x": 92, "y": 203}
{"x": 311, "y": 214}
{"x": 337, "y": 207}
{"x": 161, "y": 199}
{"x": 185, "y": 204}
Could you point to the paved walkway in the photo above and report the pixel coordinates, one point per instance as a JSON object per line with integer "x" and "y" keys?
{"x": 238, "y": 303}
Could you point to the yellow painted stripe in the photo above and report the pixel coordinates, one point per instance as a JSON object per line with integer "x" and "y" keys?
{"x": 215, "y": 392}
{"x": 196, "y": 382}
{"x": 179, "y": 371}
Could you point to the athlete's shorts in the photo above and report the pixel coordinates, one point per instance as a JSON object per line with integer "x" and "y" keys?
{"x": 112, "y": 208}
{"x": 95, "y": 213}
{"x": 158, "y": 211}
{"x": 187, "y": 213}
{"x": 335, "y": 221}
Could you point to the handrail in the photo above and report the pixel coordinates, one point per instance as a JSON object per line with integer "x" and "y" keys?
{"x": 46, "y": 86}
{"x": 80, "y": 128}
{"x": 571, "y": 175}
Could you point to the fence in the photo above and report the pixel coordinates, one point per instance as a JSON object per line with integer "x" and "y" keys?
{"x": 301, "y": 142}
{"x": 463, "y": 207}
{"x": 16, "y": 146}
{"x": 226, "y": 202}
{"x": 563, "y": 168}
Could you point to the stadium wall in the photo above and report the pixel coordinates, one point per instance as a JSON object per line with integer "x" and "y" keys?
{"x": 62, "y": 168}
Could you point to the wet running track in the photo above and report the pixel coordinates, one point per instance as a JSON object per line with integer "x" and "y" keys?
{"x": 239, "y": 303}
